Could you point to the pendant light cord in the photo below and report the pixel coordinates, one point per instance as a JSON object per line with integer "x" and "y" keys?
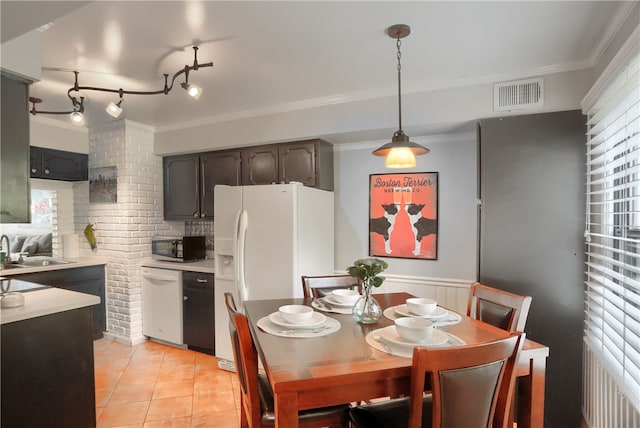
{"x": 398, "y": 44}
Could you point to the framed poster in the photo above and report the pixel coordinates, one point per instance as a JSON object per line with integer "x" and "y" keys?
{"x": 103, "y": 184}
{"x": 403, "y": 215}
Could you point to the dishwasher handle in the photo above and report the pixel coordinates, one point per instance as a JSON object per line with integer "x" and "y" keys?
{"x": 160, "y": 275}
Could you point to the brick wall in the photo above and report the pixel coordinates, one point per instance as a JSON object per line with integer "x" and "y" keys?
{"x": 124, "y": 229}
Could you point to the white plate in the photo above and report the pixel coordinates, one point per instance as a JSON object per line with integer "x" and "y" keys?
{"x": 390, "y": 335}
{"x": 330, "y": 300}
{"x": 316, "y": 319}
{"x": 405, "y": 312}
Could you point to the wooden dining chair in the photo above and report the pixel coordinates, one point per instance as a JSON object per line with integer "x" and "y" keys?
{"x": 497, "y": 307}
{"x": 470, "y": 386}
{"x": 320, "y": 286}
{"x": 256, "y": 397}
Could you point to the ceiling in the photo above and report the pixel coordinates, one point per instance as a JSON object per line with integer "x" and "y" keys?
{"x": 272, "y": 56}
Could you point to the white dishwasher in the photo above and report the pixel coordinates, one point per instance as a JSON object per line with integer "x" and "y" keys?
{"x": 162, "y": 304}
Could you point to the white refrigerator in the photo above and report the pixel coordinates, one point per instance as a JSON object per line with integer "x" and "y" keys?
{"x": 265, "y": 238}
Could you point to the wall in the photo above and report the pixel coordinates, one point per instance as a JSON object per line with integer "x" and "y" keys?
{"x": 454, "y": 157}
{"x": 56, "y": 134}
{"x": 424, "y": 113}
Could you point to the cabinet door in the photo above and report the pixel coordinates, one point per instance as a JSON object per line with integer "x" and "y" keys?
{"x": 58, "y": 165}
{"x": 198, "y": 312}
{"x": 98, "y": 314}
{"x": 14, "y": 152}
{"x": 260, "y": 165}
{"x": 89, "y": 280}
{"x": 297, "y": 162}
{"x": 181, "y": 187}
{"x": 222, "y": 167}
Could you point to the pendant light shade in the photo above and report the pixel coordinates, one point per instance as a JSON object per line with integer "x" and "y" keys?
{"x": 400, "y": 152}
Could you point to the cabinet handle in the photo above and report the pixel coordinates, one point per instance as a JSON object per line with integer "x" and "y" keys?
{"x": 196, "y": 215}
{"x": 185, "y": 298}
{"x": 203, "y": 215}
{"x": 202, "y": 281}
{"x": 46, "y": 171}
{"x": 34, "y": 170}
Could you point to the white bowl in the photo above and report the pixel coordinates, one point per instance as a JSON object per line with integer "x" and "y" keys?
{"x": 421, "y": 306}
{"x": 414, "y": 329}
{"x": 296, "y": 314}
{"x": 345, "y": 296}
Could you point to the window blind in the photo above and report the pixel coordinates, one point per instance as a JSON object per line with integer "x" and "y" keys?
{"x": 612, "y": 303}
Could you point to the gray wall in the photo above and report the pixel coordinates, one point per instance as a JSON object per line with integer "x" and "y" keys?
{"x": 454, "y": 157}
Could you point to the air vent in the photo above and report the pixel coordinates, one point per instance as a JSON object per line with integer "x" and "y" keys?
{"x": 518, "y": 94}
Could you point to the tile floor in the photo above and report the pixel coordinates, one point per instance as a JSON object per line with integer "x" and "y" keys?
{"x": 152, "y": 385}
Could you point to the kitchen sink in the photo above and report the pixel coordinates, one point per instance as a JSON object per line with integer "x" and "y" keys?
{"x": 36, "y": 263}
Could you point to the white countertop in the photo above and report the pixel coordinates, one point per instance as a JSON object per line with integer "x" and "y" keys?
{"x": 204, "y": 266}
{"x": 46, "y": 301}
{"x": 76, "y": 263}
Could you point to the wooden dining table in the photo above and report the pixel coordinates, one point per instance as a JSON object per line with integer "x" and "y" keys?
{"x": 341, "y": 367}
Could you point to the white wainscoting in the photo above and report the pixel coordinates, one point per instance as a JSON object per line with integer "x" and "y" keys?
{"x": 448, "y": 292}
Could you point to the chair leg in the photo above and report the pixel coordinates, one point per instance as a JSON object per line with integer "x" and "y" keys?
{"x": 244, "y": 422}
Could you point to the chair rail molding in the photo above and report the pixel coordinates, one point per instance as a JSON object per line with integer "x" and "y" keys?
{"x": 451, "y": 293}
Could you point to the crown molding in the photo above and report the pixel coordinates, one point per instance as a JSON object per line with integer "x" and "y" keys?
{"x": 59, "y": 124}
{"x": 620, "y": 17}
{"x": 630, "y": 48}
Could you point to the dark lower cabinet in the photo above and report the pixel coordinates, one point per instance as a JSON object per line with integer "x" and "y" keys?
{"x": 47, "y": 372}
{"x": 88, "y": 280}
{"x": 198, "y": 314}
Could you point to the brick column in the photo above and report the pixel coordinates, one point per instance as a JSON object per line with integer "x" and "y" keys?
{"x": 124, "y": 229}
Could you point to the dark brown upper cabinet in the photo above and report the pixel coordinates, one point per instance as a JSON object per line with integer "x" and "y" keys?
{"x": 260, "y": 165}
{"x": 309, "y": 162}
{"x": 222, "y": 167}
{"x": 58, "y": 164}
{"x": 189, "y": 181}
{"x": 14, "y": 152}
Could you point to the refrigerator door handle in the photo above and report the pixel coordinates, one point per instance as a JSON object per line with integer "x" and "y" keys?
{"x": 241, "y": 230}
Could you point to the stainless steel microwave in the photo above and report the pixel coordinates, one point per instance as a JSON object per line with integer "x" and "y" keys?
{"x": 179, "y": 249}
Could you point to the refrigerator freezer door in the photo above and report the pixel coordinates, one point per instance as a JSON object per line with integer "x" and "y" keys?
{"x": 270, "y": 244}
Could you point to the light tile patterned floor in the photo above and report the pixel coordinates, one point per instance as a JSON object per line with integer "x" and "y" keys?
{"x": 152, "y": 385}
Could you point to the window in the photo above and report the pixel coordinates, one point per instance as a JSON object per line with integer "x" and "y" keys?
{"x": 612, "y": 321}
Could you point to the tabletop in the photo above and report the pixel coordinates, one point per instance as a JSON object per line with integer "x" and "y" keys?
{"x": 341, "y": 367}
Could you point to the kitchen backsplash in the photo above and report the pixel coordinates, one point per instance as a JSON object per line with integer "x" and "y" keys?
{"x": 201, "y": 227}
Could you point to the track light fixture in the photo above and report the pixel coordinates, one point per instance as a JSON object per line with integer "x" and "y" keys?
{"x": 115, "y": 109}
{"x": 400, "y": 152}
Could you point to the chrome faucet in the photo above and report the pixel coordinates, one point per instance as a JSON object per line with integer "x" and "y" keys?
{"x": 7, "y": 258}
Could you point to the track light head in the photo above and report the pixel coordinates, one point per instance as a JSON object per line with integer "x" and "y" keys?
{"x": 193, "y": 90}
{"x": 77, "y": 118}
{"x": 114, "y": 109}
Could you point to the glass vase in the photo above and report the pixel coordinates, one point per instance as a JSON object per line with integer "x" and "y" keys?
{"x": 367, "y": 310}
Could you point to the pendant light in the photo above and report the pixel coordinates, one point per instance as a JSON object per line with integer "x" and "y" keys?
{"x": 400, "y": 152}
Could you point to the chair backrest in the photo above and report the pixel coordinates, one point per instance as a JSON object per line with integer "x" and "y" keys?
{"x": 246, "y": 359}
{"x": 471, "y": 385}
{"x": 320, "y": 286}
{"x": 500, "y": 308}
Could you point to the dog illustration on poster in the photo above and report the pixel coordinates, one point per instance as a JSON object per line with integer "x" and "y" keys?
{"x": 384, "y": 225}
{"x": 403, "y": 215}
{"x": 420, "y": 226}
